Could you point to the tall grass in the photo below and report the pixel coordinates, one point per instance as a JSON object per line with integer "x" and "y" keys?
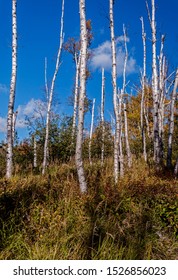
{"x": 47, "y": 218}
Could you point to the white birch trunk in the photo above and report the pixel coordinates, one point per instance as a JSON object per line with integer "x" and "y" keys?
{"x": 115, "y": 100}
{"x": 52, "y": 91}
{"x": 176, "y": 168}
{"x": 129, "y": 157}
{"x": 146, "y": 116}
{"x": 91, "y": 131}
{"x": 161, "y": 96}
{"x": 156, "y": 137}
{"x": 171, "y": 122}
{"x": 34, "y": 152}
{"x": 102, "y": 115}
{"x": 77, "y": 63}
{"x": 9, "y": 163}
{"x": 82, "y": 95}
{"x": 47, "y": 97}
{"x": 121, "y": 156}
{"x": 142, "y": 108}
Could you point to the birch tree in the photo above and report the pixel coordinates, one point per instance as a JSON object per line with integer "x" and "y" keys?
{"x": 142, "y": 107}
{"x": 74, "y": 120}
{"x": 34, "y": 152}
{"x": 161, "y": 107}
{"x": 115, "y": 97}
{"x": 171, "y": 122}
{"x": 129, "y": 157}
{"x": 176, "y": 168}
{"x": 158, "y": 155}
{"x": 91, "y": 130}
{"x": 82, "y": 95}
{"x": 102, "y": 114}
{"x": 156, "y": 136}
{"x": 73, "y": 47}
{"x": 9, "y": 157}
{"x": 52, "y": 91}
{"x": 121, "y": 156}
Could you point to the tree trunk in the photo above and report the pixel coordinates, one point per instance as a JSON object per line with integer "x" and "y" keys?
{"x": 142, "y": 109}
{"x": 102, "y": 115}
{"x": 91, "y": 130}
{"x": 52, "y": 91}
{"x": 157, "y": 155}
{"x": 129, "y": 157}
{"x": 34, "y": 152}
{"x": 115, "y": 98}
{"x": 171, "y": 122}
{"x": 176, "y": 168}
{"x": 121, "y": 156}
{"x": 77, "y": 63}
{"x": 161, "y": 96}
{"x": 9, "y": 164}
{"x": 82, "y": 95}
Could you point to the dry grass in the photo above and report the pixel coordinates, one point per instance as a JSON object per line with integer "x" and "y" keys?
{"x": 47, "y": 218}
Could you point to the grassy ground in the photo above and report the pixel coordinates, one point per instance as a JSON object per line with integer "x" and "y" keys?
{"x": 47, "y": 218}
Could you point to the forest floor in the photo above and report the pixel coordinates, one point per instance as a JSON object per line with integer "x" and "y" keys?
{"x": 46, "y": 217}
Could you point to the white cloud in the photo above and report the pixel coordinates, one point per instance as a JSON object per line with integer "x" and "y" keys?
{"x": 4, "y": 88}
{"x": 3, "y": 124}
{"x": 35, "y": 108}
{"x": 102, "y": 57}
{"x": 121, "y": 39}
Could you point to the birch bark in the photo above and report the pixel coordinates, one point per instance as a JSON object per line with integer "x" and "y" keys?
{"x": 77, "y": 64}
{"x": 171, "y": 123}
{"x": 91, "y": 130}
{"x": 155, "y": 90}
{"x": 82, "y": 95}
{"x": 52, "y": 91}
{"x": 102, "y": 115}
{"x": 9, "y": 156}
{"x": 121, "y": 156}
{"x": 115, "y": 100}
{"x": 176, "y": 168}
{"x": 161, "y": 97}
{"x": 34, "y": 152}
{"x": 129, "y": 157}
{"x": 142, "y": 108}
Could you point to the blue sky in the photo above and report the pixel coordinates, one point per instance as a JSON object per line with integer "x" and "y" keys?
{"x": 38, "y": 37}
